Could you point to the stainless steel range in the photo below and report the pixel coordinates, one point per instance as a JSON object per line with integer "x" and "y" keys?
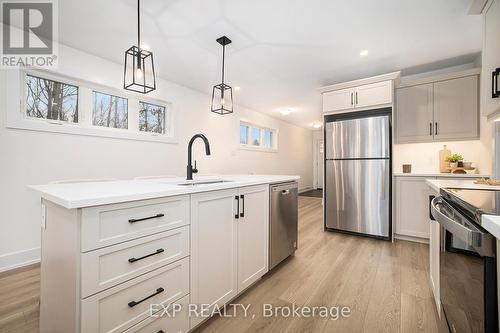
{"x": 467, "y": 262}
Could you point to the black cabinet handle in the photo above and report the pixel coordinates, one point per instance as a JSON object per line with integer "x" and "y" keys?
{"x": 146, "y": 256}
{"x": 160, "y": 331}
{"x": 242, "y": 214}
{"x": 352, "y": 98}
{"x": 495, "y": 93}
{"x": 134, "y": 303}
{"x": 146, "y": 218}
{"x": 430, "y": 129}
{"x": 356, "y": 98}
{"x": 436, "y": 129}
{"x": 237, "y": 215}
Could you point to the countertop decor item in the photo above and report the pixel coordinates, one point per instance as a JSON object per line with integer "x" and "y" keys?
{"x": 406, "y": 168}
{"x": 443, "y": 155}
{"x": 491, "y": 182}
{"x": 454, "y": 160}
{"x": 222, "y": 94}
{"x": 139, "y": 74}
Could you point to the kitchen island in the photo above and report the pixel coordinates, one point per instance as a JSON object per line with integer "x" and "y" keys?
{"x": 115, "y": 254}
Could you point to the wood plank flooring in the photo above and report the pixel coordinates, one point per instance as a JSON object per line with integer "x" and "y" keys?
{"x": 385, "y": 285}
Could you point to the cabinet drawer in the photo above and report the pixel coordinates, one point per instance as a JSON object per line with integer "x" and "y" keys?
{"x": 104, "y": 268}
{"x": 111, "y": 224}
{"x": 112, "y": 310}
{"x": 178, "y": 323}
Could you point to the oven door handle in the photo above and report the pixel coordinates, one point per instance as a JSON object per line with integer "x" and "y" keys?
{"x": 457, "y": 229}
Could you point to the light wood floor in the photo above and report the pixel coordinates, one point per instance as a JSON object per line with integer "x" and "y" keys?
{"x": 386, "y": 286}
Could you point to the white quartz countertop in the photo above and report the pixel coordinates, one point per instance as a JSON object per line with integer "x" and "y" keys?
{"x": 444, "y": 175}
{"x": 438, "y": 184}
{"x": 87, "y": 194}
{"x": 491, "y": 223}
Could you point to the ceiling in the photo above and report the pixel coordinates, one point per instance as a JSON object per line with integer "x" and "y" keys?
{"x": 282, "y": 50}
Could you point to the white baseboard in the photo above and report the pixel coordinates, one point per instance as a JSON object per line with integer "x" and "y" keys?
{"x": 305, "y": 189}
{"x": 19, "y": 259}
{"x": 412, "y": 239}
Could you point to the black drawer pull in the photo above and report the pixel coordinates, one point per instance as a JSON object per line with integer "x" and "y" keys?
{"x": 146, "y": 218}
{"x": 495, "y": 92}
{"x": 242, "y": 214}
{"x": 237, "y": 215}
{"x": 134, "y": 303}
{"x": 146, "y": 256}
{"x": 160, "y": 331}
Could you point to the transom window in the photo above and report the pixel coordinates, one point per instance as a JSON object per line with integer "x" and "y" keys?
{"x": 258, "y": 137}
{"x": 48, "y": 99}
{"x": 151, "y": 118}
{"x": 51, "y": 102}
{"x": 109, "y": 110}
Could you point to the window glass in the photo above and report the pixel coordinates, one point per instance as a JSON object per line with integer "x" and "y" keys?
{"x": 151, "y": 118}
{"x": 109, "y": 111}
{"x": 47, "y": 99}
{"x": 268, "y": 138}
{"x": 255, "y": 136}
{"x": 243, "y": 134}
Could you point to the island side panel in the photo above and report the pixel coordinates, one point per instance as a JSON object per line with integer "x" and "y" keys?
{"x": 60, "y": 270}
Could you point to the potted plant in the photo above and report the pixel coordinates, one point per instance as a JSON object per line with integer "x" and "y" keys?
{"x": 455, "y": 160}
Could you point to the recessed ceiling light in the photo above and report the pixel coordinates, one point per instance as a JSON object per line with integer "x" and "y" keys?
{"x": 237, "y": 88}
{"x": 363, "y": 53}
{"x": 286, "y": 111}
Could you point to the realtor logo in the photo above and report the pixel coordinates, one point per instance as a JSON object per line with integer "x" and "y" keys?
{"x": 28, "y": 33}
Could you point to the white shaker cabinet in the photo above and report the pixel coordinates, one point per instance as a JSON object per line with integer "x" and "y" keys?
{"x": 229, "y": 243}
{"x": 253, "y": 235}
{"x": 373, "y": 94}
{"x": 338, "y": 100}
{"x": 364, "y": 94}
{"x": 213, "y": 248}
{"x": 491, "y": 56}
{"x": 412, "y": 203}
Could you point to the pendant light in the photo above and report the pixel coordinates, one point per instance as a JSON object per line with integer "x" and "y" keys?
{"x": 222, "y": 94}
{"x": 139, "y": 72}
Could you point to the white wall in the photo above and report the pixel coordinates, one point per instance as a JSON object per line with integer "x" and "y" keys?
{"x": 29, "y": 157}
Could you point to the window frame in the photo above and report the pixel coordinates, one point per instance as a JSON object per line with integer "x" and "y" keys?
{"x": 263, "y": 129}
{"x": 17, "y": 118}
{"x": 165, "y": 116}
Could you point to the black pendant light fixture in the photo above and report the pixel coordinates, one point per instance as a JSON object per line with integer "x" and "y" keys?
{"x": 139, "y": 73}
{"x": 222, "y": 94}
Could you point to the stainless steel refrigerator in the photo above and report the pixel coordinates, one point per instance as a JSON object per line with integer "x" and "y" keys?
{"x": 357, "y": 189}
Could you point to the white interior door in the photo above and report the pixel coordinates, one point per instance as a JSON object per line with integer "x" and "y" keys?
{"x": 320, "y": 157}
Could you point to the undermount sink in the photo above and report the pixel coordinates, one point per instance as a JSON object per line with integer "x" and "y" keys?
{"x": 203, "y": 182}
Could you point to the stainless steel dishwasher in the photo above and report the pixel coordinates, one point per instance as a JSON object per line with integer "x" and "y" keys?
{"x": 283, "y": 222}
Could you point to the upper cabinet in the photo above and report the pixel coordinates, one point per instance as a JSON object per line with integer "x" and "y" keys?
{"x": 359, "y": 95}
{"x": 416, "y": 121}
{"x": 338, "y": 100}
{"x": 491, "y": 58}
{"x": 438, "y": 111}
{"x": 456, "y": 104}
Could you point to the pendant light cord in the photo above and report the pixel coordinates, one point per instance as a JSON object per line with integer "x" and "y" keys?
{"x": 223, "y": 61}
{"x": 138, "y": 25}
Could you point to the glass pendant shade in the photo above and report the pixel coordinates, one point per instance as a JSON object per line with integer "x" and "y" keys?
{"x": 222, "y": 99}
{"x": 139, "y": 75}
{"x": 222, "y": 94}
